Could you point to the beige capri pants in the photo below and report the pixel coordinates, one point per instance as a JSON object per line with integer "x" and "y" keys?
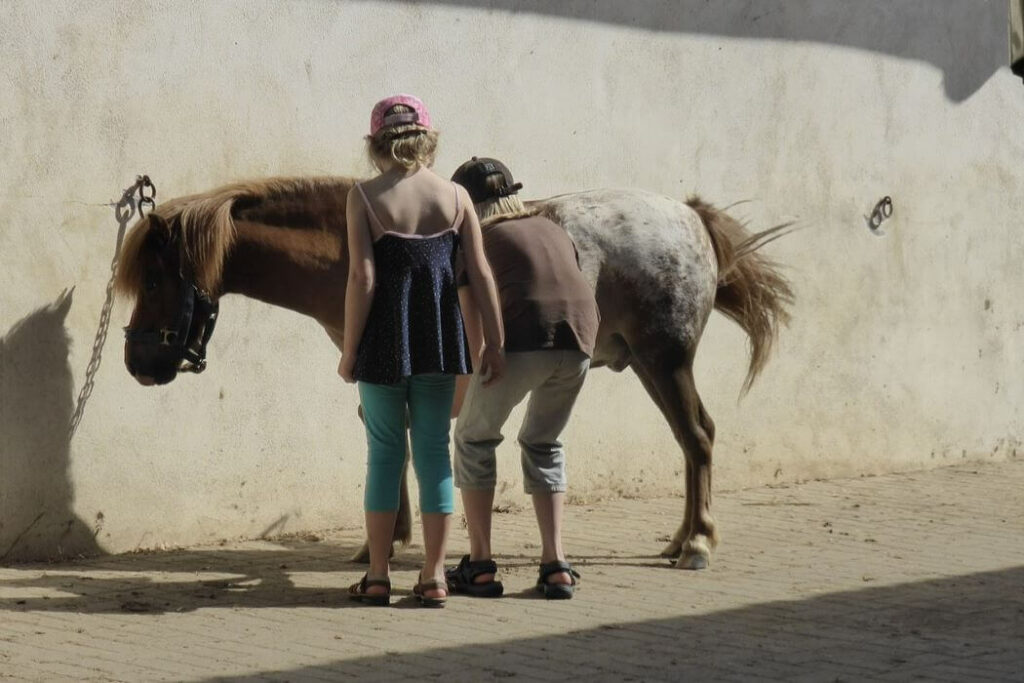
{"x": 553, "y": 380}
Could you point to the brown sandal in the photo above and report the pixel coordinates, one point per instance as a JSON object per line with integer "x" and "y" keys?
{"x": 357, "y": 592}
{"x": 422, "y": 587}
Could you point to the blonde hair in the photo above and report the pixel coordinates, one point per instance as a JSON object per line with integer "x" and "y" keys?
{"x": 408, "y": 145}
{"x": 497, "y": 209}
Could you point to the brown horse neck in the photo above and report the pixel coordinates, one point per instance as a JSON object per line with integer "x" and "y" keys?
{"x": 302, "y": 269}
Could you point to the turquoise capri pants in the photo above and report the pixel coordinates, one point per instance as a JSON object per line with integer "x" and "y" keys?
{"x": 427, "y": 399}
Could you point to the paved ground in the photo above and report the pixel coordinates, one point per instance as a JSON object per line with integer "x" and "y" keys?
{"x": 916, "y": 576}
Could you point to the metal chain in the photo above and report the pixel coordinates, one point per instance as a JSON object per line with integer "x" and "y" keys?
{"x": 124, "y": 210}
{"x": 142, "y": 182}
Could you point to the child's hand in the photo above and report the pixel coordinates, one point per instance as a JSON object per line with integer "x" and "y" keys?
{"x": 346, "y": 368}
{"x": 492, "y": 365}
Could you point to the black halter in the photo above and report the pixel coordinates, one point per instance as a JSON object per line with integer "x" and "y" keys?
{"x": 196, "y": 306}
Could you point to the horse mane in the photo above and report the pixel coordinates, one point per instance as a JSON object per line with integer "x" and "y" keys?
{"x": 205, "y": 225}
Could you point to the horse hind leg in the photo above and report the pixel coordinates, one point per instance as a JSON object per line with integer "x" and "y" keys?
{"x": 666, "y": 371}
{"x": 700, "y": 532}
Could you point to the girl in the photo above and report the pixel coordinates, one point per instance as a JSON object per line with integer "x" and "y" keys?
{"x": 404, "y": 336}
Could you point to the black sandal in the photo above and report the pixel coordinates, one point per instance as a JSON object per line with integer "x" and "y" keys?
{"x": 462, "y": 578}
{"x": 357, "y": 592}
{"x": 422, "y": 587}
{"x": 557, "y": 591}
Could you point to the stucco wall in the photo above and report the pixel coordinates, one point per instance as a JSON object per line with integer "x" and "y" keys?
{"x": 904, "y": 347}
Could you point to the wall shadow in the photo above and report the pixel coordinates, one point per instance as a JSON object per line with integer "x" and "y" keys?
{"x": 36, "y": 407}
{"x": 967, "y": 41}
{"x": 960, "y": 628}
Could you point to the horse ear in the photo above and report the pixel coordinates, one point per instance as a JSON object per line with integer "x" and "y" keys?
{"x": 63, "y": 303}
{"x": 157, "y": 222}
{"x": 159, "y": 233}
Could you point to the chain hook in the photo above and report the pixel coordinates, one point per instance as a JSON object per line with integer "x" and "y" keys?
{"x": 881, "y": 213}
{"x": 142, "y": 182}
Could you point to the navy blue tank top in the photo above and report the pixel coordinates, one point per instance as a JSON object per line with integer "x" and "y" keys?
{"x": 415, "y": 324}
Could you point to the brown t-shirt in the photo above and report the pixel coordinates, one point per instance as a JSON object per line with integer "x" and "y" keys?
{"x": 545, "y": 301}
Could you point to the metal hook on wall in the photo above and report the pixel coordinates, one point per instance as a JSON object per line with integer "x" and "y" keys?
{"x": 879, "y": 214}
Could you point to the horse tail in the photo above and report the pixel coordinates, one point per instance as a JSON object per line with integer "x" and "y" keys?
{"x": 751, "y": 289}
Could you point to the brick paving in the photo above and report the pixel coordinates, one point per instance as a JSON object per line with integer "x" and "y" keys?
{"x": 901, "y": 577}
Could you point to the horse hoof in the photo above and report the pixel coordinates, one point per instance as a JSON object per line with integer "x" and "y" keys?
{"x": 672, "y": 550}
{"x": 362, "y": 556}
{"x": 693, "y": 560}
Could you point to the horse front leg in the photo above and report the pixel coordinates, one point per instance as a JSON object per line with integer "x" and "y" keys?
{"x": 675, "y": 545}
{"x": 666, "y": 371}
{"x": 403, "y": 525}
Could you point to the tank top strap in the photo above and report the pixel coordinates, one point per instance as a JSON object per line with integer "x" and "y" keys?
{"x": 457, "y": 220}
{"x": 374, "y": 219}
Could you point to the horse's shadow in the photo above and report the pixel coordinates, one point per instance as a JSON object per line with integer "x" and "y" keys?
{"x": 187, "y": 580}
{"x": 36, "y": 406}
{"x": 296, "y": 574}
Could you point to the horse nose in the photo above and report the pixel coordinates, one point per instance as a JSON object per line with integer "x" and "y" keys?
{"x": 142, "y": 379}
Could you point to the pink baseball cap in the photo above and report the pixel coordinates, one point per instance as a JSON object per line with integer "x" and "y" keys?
{"x": 381, "y": 119}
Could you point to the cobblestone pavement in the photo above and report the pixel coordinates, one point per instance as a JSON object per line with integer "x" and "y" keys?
{"x": 900, "y": 577}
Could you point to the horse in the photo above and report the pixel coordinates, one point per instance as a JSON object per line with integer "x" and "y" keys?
{"x": 658, "y": 266}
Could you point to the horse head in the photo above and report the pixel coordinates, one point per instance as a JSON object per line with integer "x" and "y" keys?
{"x": 173, "y": 318}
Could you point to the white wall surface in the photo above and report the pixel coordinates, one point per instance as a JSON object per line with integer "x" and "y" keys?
{"x": 904, "y": 351}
